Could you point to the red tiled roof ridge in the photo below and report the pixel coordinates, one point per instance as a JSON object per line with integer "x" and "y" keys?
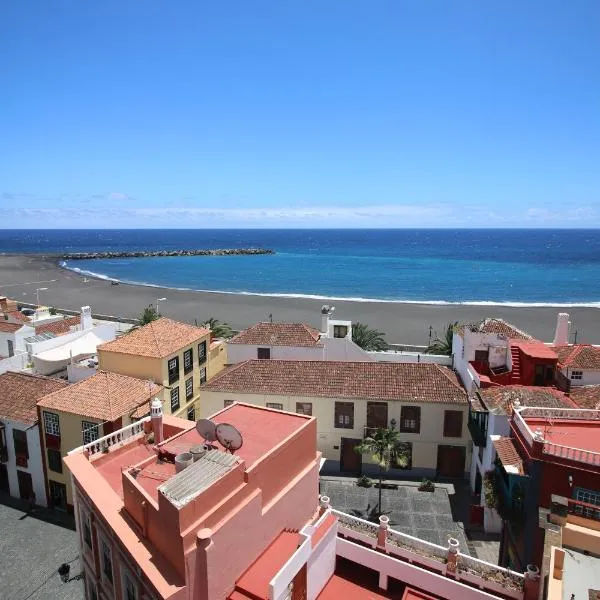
{"x": 280, "y": 334}
{"x": 446, "y": 373}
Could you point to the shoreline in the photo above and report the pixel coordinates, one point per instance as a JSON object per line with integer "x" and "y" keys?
{"x": 404, "y": 322}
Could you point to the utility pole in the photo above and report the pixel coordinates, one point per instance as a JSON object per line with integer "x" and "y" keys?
{"x": 430, "y": 330}
{"x": 271, "y": 317}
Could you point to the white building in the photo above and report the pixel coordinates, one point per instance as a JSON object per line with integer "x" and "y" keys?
{"x": 21, "y": 464}
{"x": 578, "y": 365}
{"x": 297, "y": 341}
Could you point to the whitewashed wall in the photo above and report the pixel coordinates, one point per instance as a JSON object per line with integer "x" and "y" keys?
{"x": 240, "y": 352}
{"x": 412, "y": 357}
{"x": 18, "y": 362}
{"x": 589, "y": 377}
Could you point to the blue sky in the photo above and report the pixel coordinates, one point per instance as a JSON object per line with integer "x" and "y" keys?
{"x": 300, "y": 113}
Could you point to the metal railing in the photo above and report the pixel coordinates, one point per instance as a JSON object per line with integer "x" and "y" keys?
{"x": 117, "y": 437}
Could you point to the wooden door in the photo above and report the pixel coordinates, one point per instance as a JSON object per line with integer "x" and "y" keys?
{"x": 451, "y": 461}
{"x": 25, "y": 485}
{"x": 4, "y": 484}
{"x": 350, "y": 459}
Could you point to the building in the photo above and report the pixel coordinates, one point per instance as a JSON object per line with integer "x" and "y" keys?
{"x": 578, "y": 365}
{"x": 13, "y": 352}
{"x": 489, "y": 415}
{"x": 249, "y": 524}
{"x": 10, "y": 312}
{"x": 296, "y": 341}
{"x": 21, "y": 462}
{"x": 550, "y": 451}
{"x": 424, "y": 401}
{"x": 80, "y": 414}
{"x": 174, "y": 355}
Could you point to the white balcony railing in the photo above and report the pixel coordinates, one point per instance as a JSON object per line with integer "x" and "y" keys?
{"x": 576, "y": 454}
{"x": 504, "y": 579}
{"x": 117, "y": 438}
{"x": 418, "y": 546}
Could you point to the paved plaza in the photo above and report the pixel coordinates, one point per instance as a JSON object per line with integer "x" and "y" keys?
{"x": 426, "y": 515}
{"x": 32, "y": 547}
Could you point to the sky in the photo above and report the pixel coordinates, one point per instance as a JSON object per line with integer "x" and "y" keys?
{"x": 302, "y": 113}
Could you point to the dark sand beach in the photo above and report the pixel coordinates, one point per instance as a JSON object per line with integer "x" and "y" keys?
{"x": 20, "y": 275}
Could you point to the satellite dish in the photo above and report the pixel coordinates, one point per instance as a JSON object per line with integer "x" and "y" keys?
{"x": 229, "y": 437}
{"x": 206, "y": 428}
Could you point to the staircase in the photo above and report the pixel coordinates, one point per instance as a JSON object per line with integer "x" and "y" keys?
{"x": 516, "y": 365}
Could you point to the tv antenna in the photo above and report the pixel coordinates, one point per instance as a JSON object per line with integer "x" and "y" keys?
{"x": 229, "y": 437}
{"x": 206, "y": 428}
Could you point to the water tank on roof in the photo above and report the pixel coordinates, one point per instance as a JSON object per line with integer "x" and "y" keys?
{"x": 197, "y": 452}
{"x": 183, "y": 460}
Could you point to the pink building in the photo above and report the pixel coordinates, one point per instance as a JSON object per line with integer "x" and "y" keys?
{"x": 210, "y": 524}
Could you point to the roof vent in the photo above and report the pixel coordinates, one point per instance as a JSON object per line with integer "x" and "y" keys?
{"x": 197, "y": 452}
{"x": 183, "y": 460}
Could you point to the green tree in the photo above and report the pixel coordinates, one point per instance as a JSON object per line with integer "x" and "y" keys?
{"x": 443, "y": 345}
{"x": 219, "y": 329}
{"x": 367, "y": 338}
{"x": 386, "y": 449}
{"x": 148, "y": 315}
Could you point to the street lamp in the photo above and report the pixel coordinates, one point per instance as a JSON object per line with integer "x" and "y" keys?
{"x": 37, "y": 294}
{"x": 157, "y": 301}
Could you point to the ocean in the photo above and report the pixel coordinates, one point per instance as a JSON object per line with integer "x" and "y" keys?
{"x": 513, "y": 267}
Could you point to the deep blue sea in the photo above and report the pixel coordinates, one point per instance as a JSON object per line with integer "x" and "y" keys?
{"x": 519, "y": 267}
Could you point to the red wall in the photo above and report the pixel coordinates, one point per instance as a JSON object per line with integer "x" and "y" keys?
{"x": 555, "y": 480}
{"x": 528, "y": 367}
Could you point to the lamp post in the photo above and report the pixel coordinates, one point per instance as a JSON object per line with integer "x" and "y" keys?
{"x": 157, "y": 301}
{"x": 37, "y": 294}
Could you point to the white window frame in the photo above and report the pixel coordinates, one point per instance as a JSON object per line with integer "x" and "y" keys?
{"x": 202, "y": 374}
{"x": 172, "y": 364}
{"x": 104, "y": 542}
{"x": 275, "y": 405}
{"x": 188, "y": 360}
{"x": 126, "y": 575}
{"x": 175, "y": 390}
{"x": 578, "y": 375}
{"x": 190, "y": 395}
{"x": 51, "y": 423}
{"x": 89, "y": 432}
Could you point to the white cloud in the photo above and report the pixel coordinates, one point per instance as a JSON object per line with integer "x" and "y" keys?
{"x": 118, "y": 196}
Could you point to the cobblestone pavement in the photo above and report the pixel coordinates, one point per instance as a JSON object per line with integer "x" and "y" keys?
{"x": 426, "y": 515}
{"x": 32, "y": 547}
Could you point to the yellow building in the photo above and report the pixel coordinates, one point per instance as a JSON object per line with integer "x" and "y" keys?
{"x": 79, "y": 414}
{"x": 424, "y": 402}
{"x": 177, "y": 356}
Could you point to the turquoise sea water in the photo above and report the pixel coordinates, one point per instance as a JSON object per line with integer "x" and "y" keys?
{"x": 471, "y": 266}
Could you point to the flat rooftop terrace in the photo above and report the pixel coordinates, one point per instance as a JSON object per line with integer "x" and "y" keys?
{"x": 581, "y": 574}
{"x": 572, "y": 433}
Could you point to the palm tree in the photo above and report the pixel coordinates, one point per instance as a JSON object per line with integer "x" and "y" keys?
{"x": 148, "y": 315}
{"x": 219, "y": 329}
{"x": 368, "y": 339}
{"x": 386, "y": 449}
{"x": 443, "y": 346}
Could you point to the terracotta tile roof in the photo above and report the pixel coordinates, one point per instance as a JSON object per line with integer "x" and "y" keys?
{"x": 20, "y": 392}
{"x": 508, "y": 455}
{"x": 6, "y": 327}
{"x": 500, "y": 399}
{"x": 17, "y": 315}
{"x": 158, "y": 339}
{"x": 278, "y": 334}
{"x": 498, "y": 326}
{"x": 586, "y": 396}
{"x": 424, "y": 382}
{"x": 106, "y": 396}
{"x": 59, "y": 327}
{"x": 578, "y": 356}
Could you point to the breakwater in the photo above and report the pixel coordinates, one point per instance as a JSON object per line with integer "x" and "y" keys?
{"x": 151, "y": 253}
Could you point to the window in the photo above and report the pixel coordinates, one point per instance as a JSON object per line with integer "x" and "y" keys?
{"x": 576, "y": 374}
{"x": 20, "y": 442}
{"x": 404, "y": 456}
{"x": 227, "y": 403}
{"x": 92, "y": 592}
{"x": 482, "y": 355}
{"x": 174, "y": 399}
{"x": 173, "y": 365}
{"x": 344, "y": 415}
{"x": 275, "y": 405}
{"x": 377, "y": 415}
{"x": 203, "y": 375}
{"x": 410, "y": 419}
{"x": 51, "y": 423}
{"x": 304, "y": 408}
{"x": 54, "y": 460}
{"x": 189, "y": 388}
{"x": 188, "y": 360}
{"x": 340, "y": 331}
{"x": 202, "y": 353}
{"x": 89, "y": 431}
{"x": 263, "y": 353}
{"x": 191, "y": 413}
{"x": 589, "y": 497}
{"x": 453, "y": 423}
{"x": 129, "y": 587}
{"x": 58, "y": 494}
{"x": 86, "y": 528}
{"x": 3, "y": 448}
{"x": 106, "y": 555}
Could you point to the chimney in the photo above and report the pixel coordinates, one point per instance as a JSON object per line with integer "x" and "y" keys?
{"x": 326, "y": 312}
{"x": 86, "y": 318}
{"x": 156, "y": 415}
{"x": 562, "y": 329}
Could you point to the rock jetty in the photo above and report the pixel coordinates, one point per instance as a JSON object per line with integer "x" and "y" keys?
{"x": 150, "y": 253}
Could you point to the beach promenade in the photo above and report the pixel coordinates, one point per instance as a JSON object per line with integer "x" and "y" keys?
{"x": 402, "y": 323}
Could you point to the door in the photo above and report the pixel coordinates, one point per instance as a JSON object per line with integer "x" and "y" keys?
{"x": 350, "y": 459}
{"x": 4, "y": 485}
{"x": 11, "y": 348}
{"x": 25, "y": 485}
{"x": 451, "y": 461}
{"x": 58, "y": 495}
{"x": 377, "y": 415}
{"x": 538, "y": 378}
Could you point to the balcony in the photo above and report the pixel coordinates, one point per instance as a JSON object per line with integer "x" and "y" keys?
{"x": 562, "y": 507}
{"x": 478, "y": 424}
